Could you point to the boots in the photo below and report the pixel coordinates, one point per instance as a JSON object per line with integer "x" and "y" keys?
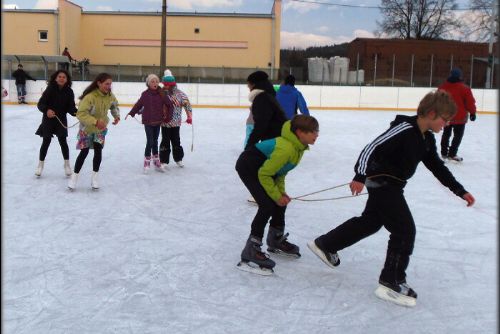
{"x": 72, "y": 181}
{"x": 157, "y": 163}
{"x": 277, "y": 243}
{"x": 67, "y": 168}
{"x": 39, "y": 169}
{"x": 94, "y": 182}
{"x": 147, "y": 164}
{"x": 253, "y": 253}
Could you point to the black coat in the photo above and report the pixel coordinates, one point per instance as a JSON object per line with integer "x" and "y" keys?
{"x": 62, "y": 101}
{"x": 21, "y": 77}
{"x": 267, "y": 114}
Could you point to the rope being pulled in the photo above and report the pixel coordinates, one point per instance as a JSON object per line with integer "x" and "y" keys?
{"x": 64, "y": 126}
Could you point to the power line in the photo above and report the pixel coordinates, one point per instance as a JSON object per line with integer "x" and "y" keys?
{"x": 315, "y": 2}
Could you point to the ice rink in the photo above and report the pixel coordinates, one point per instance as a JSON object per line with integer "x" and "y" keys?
{"x": 157, "y": 253}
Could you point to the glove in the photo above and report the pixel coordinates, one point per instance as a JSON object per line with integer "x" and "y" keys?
{"x": 472, "y": 117}
{"x": 189, "y": 120}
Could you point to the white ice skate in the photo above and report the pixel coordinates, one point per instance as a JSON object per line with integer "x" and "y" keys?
{"x": 39, "y": 169}
{"x": 254, "y": 268}
{"x": 180, "y": 163}
{"x": 72, "y": 181}
{"x": 94, "y": 182}
{"x": 331, "y": 260}
{"x": 67, "y": 168}
{"x": 251, "y": 200}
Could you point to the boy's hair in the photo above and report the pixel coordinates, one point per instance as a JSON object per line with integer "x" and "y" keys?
{"x": 304, "y": 123}
{"x": 439, "y": 101}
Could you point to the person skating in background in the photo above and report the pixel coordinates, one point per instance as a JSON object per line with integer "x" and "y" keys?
{"x": 56, "y": 101}
{"x": 155, "y": 107}
{"x": 170, "y": 131}
{"x": 268, "y": 116}
{"x": 466, "y": 109}
{"x": 263, "y": 168}
{"x": 92, "y": 113}
{"x": 20, "y": 75}
{"x": 291, "y": 99}
{"x": 384, "y": 166}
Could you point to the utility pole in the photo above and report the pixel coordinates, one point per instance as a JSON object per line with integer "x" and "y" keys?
{"x": 163, "y": 46}
{"x": 493, "y": 36}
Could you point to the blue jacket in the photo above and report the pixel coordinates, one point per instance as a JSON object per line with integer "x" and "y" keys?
{"x": 290, "y": 99}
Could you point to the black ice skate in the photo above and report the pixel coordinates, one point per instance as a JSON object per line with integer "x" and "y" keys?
{"x": 277, "y": 243}
{"x": 330, "y": 259}
{"x": 254, "y": 260}
{"x": 399, "y": 293}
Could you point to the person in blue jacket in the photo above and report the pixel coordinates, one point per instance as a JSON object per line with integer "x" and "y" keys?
{"x": 291, "y": 99}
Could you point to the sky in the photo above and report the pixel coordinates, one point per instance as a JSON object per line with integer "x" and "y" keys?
{"x": 157, "y": 253}
{"x": 304, "y": 24}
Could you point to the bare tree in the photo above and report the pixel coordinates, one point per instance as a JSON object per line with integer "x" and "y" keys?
{"x": 419, "y": 19}
{"x": 477, "y": 21}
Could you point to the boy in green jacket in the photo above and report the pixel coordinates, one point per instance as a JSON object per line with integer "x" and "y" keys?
{"x": 263, "y": 168}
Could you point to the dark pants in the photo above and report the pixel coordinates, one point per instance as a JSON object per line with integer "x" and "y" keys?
{"x": 83, "y": 154}
{"x": 152, "y": 133}
{"x": 247, "y": 166}
{"x": 386, "y": 206}
{"x": 170, "y": 135}
{"x": 21, "y": 92}
{"x": 46, "y": 143}
{"x": 458, "y": 133}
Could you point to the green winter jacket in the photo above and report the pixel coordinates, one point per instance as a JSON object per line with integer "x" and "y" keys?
{"x": 94, "y": 106}
{"x": 283, "y": 154}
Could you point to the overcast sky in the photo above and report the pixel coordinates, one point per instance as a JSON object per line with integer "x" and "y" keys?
{"x": 304, "y": 22}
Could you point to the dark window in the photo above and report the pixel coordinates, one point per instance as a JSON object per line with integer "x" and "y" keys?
{"x": 196, "y": 30}
{"x": 43, "y": 35}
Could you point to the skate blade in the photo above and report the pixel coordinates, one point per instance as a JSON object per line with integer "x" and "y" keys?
{"x": 254, "y": 268}
{"x": 385, "y": 293}
{"x": 95, "y": 189}
{"x": 283, "y": 254}
{"x": 319, "y": 253}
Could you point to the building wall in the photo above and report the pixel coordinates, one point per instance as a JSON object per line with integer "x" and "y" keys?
{"x": 20, "y": 32}
{"x": 435, "y": 56}
{"x": 133, "y": 38}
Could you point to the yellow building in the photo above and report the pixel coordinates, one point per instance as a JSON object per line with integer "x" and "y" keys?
{"x": 133, "y": 38}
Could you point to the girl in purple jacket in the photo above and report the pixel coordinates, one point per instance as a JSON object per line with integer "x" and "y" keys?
{"x": 155, "y": 108}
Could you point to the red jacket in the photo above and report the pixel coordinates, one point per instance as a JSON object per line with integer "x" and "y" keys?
{"x": 462, "y": 95}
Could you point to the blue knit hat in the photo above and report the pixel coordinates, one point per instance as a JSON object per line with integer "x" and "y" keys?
{"x": 168, "y": 79}
{"x": 455, "y": 75}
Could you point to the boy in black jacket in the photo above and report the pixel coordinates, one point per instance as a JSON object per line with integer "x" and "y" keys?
{"x": 20, "y": 75}
{"x": 384, "y": 166}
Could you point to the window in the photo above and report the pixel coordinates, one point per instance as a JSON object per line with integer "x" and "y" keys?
{"x": 196, "y": 30}
{"x": 43, "y": 35}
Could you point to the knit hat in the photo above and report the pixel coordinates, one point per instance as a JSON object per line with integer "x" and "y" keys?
{"x": 257, "y": 76}
{"x": 290, "y": 80}
{"x": 455, "y": 75}
{"x": 168, "y": 78}
{"x": 151, "y": 77}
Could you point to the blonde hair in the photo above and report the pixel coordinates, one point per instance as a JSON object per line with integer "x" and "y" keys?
{"x": 151, "y": 77}
{"x": 439, "y": 101}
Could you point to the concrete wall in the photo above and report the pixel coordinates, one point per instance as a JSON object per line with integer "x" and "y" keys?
{"x": 317, "y": 97}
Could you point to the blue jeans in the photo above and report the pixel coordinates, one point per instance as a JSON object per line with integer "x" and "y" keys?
{"x": 152, "y": 133}
{"x": 21, "y": 92}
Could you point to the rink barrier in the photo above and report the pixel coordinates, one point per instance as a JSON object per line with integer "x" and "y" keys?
{"x": 236, "y": 96}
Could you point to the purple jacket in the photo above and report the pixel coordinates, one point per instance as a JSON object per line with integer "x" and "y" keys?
{"x": 154, "y": 108}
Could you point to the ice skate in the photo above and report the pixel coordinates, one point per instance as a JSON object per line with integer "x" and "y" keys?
{"x": 254, "y": 260}
{"x": 455, "y": 158}
{"x": 278, "y": 244}
{"x": 39, "y": 169}
{"x": 164, "y": 166}
{"x": 157, "y": 164}
{"x": 147, "y": 164}
{"x": 399, "y": 293}
{"x": 180, "y": 163}
{"x": 94, "y": 182}
{"x": 72, "y": 181}
{"x": 67, "y": 168}
{"x": 330, "y": 259}
{"x": 251, "y": 200}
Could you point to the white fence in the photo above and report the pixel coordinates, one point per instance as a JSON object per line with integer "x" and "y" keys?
{"x": 234, "y": 95}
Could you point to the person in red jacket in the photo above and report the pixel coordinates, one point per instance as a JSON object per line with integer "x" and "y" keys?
{"x": 466, "y": 108}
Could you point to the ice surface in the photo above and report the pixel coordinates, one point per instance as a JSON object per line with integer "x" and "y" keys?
{"x": 157, "y": 253}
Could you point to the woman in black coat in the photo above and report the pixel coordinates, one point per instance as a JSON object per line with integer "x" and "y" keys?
{"x": 57, "y": 100}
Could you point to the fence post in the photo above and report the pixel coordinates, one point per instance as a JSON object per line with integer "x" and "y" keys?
{"x": 393, "y": 66}
{"x": 119, "y": 68}
{"x": 411, "y": 71}
{"x": 223, "y": 73}
{"x": 451, "y": 62}
{"x": 432, "y": 63}
{"x": 375, "y": 70}
{"x": 357, "y": 69}
{"x": 471, "y": 69}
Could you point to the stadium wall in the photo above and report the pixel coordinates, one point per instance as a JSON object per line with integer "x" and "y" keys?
{"x": 236, "y": 96}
